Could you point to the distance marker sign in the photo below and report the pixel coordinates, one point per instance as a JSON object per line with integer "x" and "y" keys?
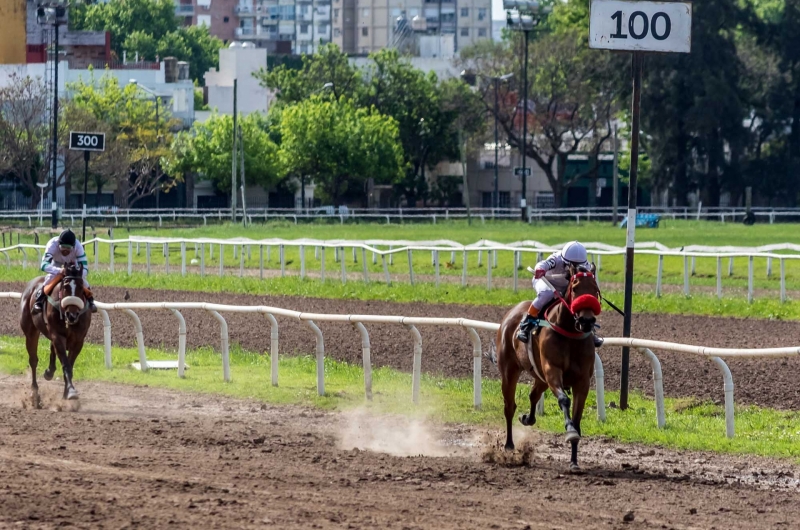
{"x": 86, "y": 141}
{"x": 640, "y": 26}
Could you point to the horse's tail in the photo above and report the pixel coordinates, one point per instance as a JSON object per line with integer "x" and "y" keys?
{"x": 492, "y": 353}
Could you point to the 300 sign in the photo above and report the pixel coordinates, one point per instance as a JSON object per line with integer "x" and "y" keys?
{"x": 83, "y": 141}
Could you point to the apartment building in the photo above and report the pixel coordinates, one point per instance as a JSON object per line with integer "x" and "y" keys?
{"x": 365, "y": 26}
{"x": 285, "y": 26}
{"x": 220, "y": 16}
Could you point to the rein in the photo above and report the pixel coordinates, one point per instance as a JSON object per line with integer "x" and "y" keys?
{"x": 561, "y": 300}
{"x": 57, "y": 305}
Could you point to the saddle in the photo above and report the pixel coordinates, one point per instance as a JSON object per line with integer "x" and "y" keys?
{"x": 542, "y": 315}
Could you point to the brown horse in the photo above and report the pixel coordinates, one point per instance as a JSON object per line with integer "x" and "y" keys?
{"x": 560, "y": 356}
{"x": 64, "y": 321}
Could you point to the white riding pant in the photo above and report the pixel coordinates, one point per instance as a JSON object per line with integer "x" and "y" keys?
{"x": 544, "y": 294}
{"x": 49, "y": 277}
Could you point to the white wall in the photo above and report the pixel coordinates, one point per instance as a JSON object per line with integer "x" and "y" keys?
{"x": 240, "y": 64}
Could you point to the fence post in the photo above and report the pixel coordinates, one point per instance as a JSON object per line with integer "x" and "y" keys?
{"x": 516, "y": 271}
{"x": 147, "y": 254}
{"x": 659, "y": 274}
{"x": 302, "y": 262}
{"x": 130, "y": 258}
{"x": 386, "y": 270}
{"x": 282, "y": 251}
{"x": 416, "y": 373}
{"x": 600, "y": 387}
{"x": 750, "y": 279}
{"x": 202, "y": 259}
{"x": 410, "y": 267}
{"x": 730, "y": 266}
{"x": 111, "y": 257}
{"x": 476, "y": 367}
{"x": 221, "y": 259}
{"x": 436, "y": 266}
{"x": 273, "y": 348}
{"x": 183, "y": 258}
{"x": 464, "y": 268}
{"x": 685, "y": 275}
{"x": 658, "y": 386}
{"x": 166, "y": 258}
{"x": 783, "y": 280}
{"x": 489, "y": 269}
{"x": 366, "y": 359}
{"x": 728, "y": 389}
{"x": 364, "y": 263}
{"x": 769, "y": 267}
{"x": 223, "y": 333}
{"x": 694, "y": 271}
{"x": 261, "y": 262}
{"x": 322, "y": 264}
{"x": 391, "y": 256}
{"x": 320, "y": 355}
{"x": 343, "y": 267}
{"x": 719, "y": 277}
{"x": 137, "y": 326}
{"x": 96, "y": 255}
{"x": 181, "y": 342}
{"x": 106, "y": 338}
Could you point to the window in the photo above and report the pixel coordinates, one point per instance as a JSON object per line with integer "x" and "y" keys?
{"x": 337, "y": 32}
{"x": 365, "y": 32}
{"x": 481, "y": 13}
{"x": 464, "y": 11}
{"x": 504, "y": 199}
{"x": 322, "y": 29}
{"x": 396, "y": 12}
{"x": 481, "y": 32}
{"x": 365, "y": 12}
{"x": 304, "y": 28}
{"x": 412, "y": 13}
{"x": 335, "y": 14}
{"x": 286, "y": 12}
{"x": 486, "y": 199}
{"x": 226, "y": 19}
{"x": 465, "y": 32}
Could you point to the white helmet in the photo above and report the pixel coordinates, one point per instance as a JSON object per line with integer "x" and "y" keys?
{"x": 574, "y": 252}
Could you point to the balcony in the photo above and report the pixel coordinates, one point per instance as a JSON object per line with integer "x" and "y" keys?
{"x": 184, "y": 10}
{"x": 251, "y": 33}
{"x": 244, "y": 10}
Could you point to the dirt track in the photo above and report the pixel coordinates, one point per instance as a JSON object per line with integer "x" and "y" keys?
{"x": 150, "y": 458}
{"x": 768, "y": 382}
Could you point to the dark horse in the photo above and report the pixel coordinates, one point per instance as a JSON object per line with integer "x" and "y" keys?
{"x": 560, "y": 356}
{"x": 65, "y": 321}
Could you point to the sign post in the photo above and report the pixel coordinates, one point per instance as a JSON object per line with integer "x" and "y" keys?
{"x": 86, "y": 142}
{"x": 637, "y": 27}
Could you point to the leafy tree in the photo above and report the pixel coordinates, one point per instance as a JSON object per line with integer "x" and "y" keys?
{"x": 339, "y": 146}
{"x": 150, "y": 28}
{"x": 572, "y": 98}
{"x": 130, "y": 118}
{"x": 207, "y": 151}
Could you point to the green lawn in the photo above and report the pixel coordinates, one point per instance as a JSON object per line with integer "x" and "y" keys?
{"x": 690, "y": 424}
{"x": 673, "y": 234}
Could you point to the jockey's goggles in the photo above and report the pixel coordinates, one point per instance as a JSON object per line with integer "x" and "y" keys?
{"x": 64, "y": 247}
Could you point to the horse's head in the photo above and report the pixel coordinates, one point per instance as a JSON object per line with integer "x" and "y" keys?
{"x": 72, "y": 296}
{"x": 584, "y": 294}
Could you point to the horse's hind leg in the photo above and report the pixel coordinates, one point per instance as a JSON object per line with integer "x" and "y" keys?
{"x": 579, "y": 393}
{"x": 51, "y": 370}
{"x": 32, "y": 345}
{"x": 510, "y": 377}
{"x": 537, "y": 389}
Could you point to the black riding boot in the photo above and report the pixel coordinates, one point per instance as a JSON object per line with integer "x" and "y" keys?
{"x": 598, "y": 341}
{"x": 92, "y": 307}
{"x": 525, "y": 328}
{"x": 38, "y": 307}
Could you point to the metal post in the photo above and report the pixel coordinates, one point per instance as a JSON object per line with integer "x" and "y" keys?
{"x": 615, "y": 198}
{"x": 637, "y": 60}
{"x": 523, "y": 202}
{"x": 86, "y": 155}
{"x": 234, "y": 190}
{"x": 53, "y": 201}
{"x": 496, "y": 200}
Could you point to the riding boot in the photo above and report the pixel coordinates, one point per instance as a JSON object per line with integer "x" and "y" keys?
{"x": 92, "y": 307}
{"x": 525, "y": 327}
{"x": 598, "y": 341}
{"x": 38, "y": 307}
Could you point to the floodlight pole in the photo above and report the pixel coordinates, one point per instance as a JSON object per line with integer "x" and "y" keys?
{"x": 524, "y": 201}
{"x": 53, "y": 200}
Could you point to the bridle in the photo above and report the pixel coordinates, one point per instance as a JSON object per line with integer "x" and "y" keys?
{"x": 567, "y": 302}
{"x": 57, "y": 304}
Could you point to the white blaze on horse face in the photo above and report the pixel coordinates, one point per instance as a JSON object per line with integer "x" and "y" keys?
{"x": 72, "y": 287}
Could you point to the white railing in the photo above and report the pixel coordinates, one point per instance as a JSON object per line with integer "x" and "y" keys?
{"x": 387, "y": 249}
{"x": 119, "y": 216}
{"x": 471, "y": 326}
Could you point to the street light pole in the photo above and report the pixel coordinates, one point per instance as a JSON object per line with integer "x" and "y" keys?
{"x": 523, "y": 203}
{"x": 496, "y": 201}
{"x": 53, "y": 201}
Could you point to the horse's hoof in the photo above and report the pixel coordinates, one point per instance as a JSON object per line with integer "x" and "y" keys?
{"x": 509, "y": 447}
{"x": 72, "y": 394}
{"x": 48, "y": 375}
{"x": 573, "y": 436}
{"x": 36, "y": 401}
{"x": 527, "y": 420}
{"x": 574, "y": 468}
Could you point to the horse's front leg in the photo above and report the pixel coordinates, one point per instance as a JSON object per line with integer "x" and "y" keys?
{"x": 75, "y": 348}
{"x": 579, "y": 393}
{"x": 32, "y": 345}
{"x": 61, "y": 351}
{"x": 537, "y": 389}
{"x": 555, "y": 380}
{"x": 51, "y": 370}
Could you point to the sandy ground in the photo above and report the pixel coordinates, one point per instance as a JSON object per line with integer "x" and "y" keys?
{"x": 137, "y": 457}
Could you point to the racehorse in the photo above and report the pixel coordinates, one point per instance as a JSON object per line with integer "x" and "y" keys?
{"x": 559, "y": 356}
{"x": 64, "y": 321}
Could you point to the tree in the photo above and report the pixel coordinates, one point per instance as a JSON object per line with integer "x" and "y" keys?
{"x": 150, "y": 28}
{"x": 339, "y": 146}
{"x": 130, "y": 118}
{"x": 207, "y": 151}
{"x": 572, "y": 98}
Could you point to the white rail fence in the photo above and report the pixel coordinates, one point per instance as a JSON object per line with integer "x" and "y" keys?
{"x": 645, "y": 347}
{"x": 388, "y": 249}
{"x": 119, "y": 216}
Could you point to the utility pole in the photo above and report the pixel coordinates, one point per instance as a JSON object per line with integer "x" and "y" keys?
{"x": 53, "y": 201}
{"x": 615, "y": 198}
{"x": 241, "y": 170}
{"x": 234, "y": 188}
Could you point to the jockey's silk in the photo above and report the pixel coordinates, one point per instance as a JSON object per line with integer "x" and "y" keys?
{"x": 53, "y": 261}
{"x": 557, "y": 268}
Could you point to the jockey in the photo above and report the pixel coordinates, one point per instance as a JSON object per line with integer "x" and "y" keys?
{"x": 555, "y": 270}
{"x": 61, "y": 250}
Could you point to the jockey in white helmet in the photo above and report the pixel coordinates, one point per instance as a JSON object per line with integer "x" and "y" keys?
{"x": 556, "y": 269}
{"x": 61, "y": 250}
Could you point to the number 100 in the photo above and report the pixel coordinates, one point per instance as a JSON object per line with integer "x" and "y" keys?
{"x": 645, "y": 26}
